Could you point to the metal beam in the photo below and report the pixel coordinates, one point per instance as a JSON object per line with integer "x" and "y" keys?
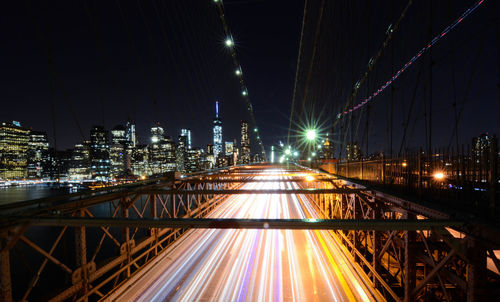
{"x": 245, "y": 191}
{"x": 233, "y": 223}
{"x": 245, "y": 180}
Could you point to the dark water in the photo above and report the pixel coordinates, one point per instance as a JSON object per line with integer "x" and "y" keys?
{"x": 23, "y": 193}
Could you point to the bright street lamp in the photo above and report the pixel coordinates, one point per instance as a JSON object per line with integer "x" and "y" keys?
{"x": 311, "y": 134}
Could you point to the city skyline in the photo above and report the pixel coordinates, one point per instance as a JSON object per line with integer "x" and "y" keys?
{"x": 115, "y": 153}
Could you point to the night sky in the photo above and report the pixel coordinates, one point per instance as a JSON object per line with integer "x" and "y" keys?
{"x": 105, "y": 62}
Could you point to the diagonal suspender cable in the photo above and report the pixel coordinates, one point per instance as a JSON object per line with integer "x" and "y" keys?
{"x": 411, "y": 61}
{"x": 297, "y": 72}
{"x": 242, "y": 82}
{"x": 372, "y": 62}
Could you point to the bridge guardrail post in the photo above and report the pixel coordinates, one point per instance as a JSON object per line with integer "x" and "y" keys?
{"x": 476, "y": 270}
{"x": 410, "y": 279}
{"x": 81, "y": 254}
{"x": 5, "y": 278}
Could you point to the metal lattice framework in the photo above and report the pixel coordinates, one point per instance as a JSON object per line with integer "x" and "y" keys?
{"x": 93, "y": 242}
{"x": 101, "y": 257}
{"x": 443, "y": 263}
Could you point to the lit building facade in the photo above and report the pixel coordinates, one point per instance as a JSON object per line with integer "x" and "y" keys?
{"x": 193, "y": 160}
{"x": 38, "y": 155}
{"x": 245, "y": 144}
{"x": 99, "y": 153}
{"x": 353, "y": 151}
{"x": 130, "y": 135}
{"x": 80, "y": 162}
{"x": 187, "y": 134}
{"x": 117, "y": 151}
{"x": 13, "y": 151}
{"x": 329, "y": 151}
{"x": 181, "y": 153}
{"x": 217, "y": 131}
{"x": 140, "y": 161}
{"x": 161, "y": 152}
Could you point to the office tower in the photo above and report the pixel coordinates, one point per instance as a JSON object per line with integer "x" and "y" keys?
{"x": 130, "y": 135}
{"x": 193, "y": 160}
{"x": 140, "y": 165}
{"x": 157, "y": 134}
{"x": 161, "y": 152}
{"x": 229, "y": 148}
{"x": 482, "y": 148}
{"x": 99, "y": 153}
{"x": 245, "y": 143}
{"x": 13, "y": 150}
{"x": 353, "y": 151}
{"x": 217, "y": 132}
{"x": 181, "y": 153}
{"x": 117, "y": 151}
{"x": 187, "y": 134}
{"x": 38, "y": 154}
{"x": 79, "y": 167}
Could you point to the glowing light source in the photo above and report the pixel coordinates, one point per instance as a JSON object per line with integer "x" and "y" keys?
{"x": 309, "y": 178}
{"x": 313, "y": 154}
{"x": 238, "y": 72}
{"x": 154, "y": 139}
{"x": 288, "y": 151}
{"x": 296, "y": 153}
{"x": 412, "y": 60}
{"x": 244, "y": 92}
{"x": 438, "y": 175}
{"x": 229, "y": 42}
{"x": 311, "y": 134}
{"x": 255, "y": 130}
{"x": 404, "y": 164}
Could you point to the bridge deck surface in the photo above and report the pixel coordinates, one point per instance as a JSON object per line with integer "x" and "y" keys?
{"x": 215, "y": 264}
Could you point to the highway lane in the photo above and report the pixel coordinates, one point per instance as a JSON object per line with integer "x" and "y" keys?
{"x": 254, "y": 265}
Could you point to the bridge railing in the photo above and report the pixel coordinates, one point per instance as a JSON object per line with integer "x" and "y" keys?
{"x": 452, "y": 263}
{"x": 466, "y": 178}
{"x": 86, "y": 261}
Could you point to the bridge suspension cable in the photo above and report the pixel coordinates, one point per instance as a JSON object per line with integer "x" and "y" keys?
{"x": 229, "y": 42}
{"x": 411, "y": 61}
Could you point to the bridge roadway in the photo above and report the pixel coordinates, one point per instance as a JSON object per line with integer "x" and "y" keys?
{"x": 254, "y": 265}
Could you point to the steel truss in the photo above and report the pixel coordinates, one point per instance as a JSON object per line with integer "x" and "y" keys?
{"x": 94, "y": 242}
{"x": 441, "y": 263}
{"x": 89, "y": 262}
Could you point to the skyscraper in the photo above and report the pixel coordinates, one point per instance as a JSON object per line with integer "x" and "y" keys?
{"x": 181, "y": 153}
{"x": 353, "y": 151}
{"x": 99, "y": 153}
{"x": 80, "y": 164}
{"x": 161, "y": 152}
{"x": 13, "y": 150}
{"x": 117, "y": 152}
{"x": 217, "y": 132}
{"x": 38, "y": 149}
{"x": 130, "y": 135}
{"x": 187, "y": 134}
{"x": 245, "y": 143}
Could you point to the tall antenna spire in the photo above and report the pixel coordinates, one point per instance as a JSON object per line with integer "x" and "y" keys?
{"x": 217, "y": 109}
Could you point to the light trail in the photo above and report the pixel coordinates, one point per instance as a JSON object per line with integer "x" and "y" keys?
{"x": 254, "y": 265}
